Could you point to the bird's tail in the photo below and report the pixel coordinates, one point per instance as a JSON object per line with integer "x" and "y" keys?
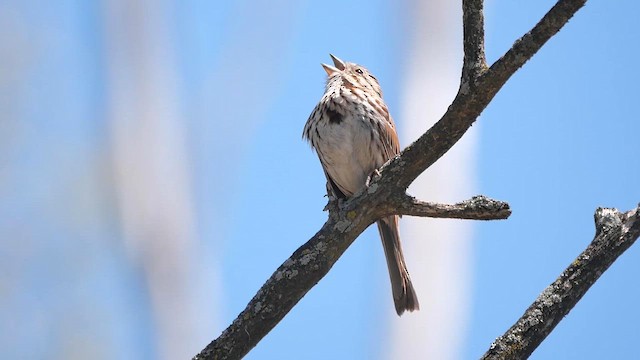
{"x": 404, "y": 296}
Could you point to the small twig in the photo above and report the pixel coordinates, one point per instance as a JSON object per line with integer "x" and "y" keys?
{"x": 615, "y": 233}
{"x": 476, "y": 208}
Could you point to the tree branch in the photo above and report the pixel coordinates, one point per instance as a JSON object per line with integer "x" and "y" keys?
{"x": 476, "y": 208}
{"x": 474, "y": 96}
{"x": 474, "y": 62}
{"x": 615, "y": 233}
{"x": 313, "y": 260}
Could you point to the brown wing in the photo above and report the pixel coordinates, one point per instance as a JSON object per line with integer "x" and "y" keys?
{"x": 387, "y": 130}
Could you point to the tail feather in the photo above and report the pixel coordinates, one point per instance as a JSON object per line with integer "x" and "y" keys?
{"x": 404, "y": 295}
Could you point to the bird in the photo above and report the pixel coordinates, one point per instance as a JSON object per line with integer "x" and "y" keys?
{"x": 353, "y": 135}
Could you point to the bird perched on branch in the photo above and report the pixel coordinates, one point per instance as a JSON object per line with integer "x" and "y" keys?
{"x": 353, "y": 134}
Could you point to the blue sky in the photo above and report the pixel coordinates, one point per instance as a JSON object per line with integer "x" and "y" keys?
{"x": 558, "y": 141}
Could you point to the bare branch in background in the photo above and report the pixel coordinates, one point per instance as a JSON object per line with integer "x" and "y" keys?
{"x": 615, "y": 233}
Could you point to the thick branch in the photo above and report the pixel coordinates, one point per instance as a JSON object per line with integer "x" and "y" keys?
{"x": 476, "y": 208}
{"x": 298, "y": 274}
{"x": 288, "y": 284}
{"x": 615, "y": 233}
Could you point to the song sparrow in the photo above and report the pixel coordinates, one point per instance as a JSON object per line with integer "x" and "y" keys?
{"x": 353, "y": 134}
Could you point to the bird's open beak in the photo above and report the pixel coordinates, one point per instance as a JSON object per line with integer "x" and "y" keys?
{"x": 337, "y": 62}
{"x": 329, "y": 69}
{"x": 339, "y": 65}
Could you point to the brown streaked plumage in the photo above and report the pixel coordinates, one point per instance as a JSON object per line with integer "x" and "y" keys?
{"x": 353, "y": 134}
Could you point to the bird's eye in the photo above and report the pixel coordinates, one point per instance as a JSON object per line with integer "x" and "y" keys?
{"x": 359, "y": 71}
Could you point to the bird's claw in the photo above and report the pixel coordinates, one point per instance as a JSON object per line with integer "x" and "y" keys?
{"x": 375, "y": 172}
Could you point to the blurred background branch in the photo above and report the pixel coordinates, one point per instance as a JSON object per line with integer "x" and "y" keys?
{"x": 151, "y": 176}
